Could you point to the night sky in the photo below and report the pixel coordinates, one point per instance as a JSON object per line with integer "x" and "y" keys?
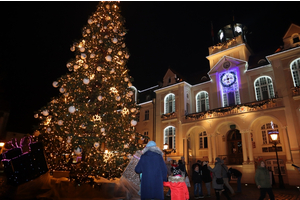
{"x": 36, "y": 39}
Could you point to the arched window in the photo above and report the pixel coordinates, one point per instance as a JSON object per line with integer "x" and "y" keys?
{"x": 264, "y": 88}
{"x": 265, "y": 129}
{"x": 295, "y": 70}
{"x": 203, "y": 140}
{"x": 169, "y": 137}
{"x": 202, "y": 103}
{"x": 169, "y": 103}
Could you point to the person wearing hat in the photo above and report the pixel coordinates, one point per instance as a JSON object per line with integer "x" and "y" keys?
{"x": 154, "y": 170}
{"x": 178, "y": 186}
{"x": 217, "y": 173}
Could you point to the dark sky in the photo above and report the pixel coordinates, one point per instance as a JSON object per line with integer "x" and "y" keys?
{"x": 36, "y": 39}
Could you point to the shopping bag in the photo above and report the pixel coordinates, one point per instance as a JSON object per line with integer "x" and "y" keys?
{"x": 187, "y": 181}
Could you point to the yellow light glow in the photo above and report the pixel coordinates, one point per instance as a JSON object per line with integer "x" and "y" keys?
{"x": 2, "y": 144}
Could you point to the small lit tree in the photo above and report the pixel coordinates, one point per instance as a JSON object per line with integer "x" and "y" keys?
{"x": 94, "y": 116}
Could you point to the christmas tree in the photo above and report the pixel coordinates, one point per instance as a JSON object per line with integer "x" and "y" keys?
{"x": 89, "y": 129}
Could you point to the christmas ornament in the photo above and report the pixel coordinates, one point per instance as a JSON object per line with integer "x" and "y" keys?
{"x": 126, "y": 56}
{"x": 90, "y": 21}
{"x": 36, "y": 116}
{"x": 45, "y": 112}
{"x": 100, "y": 41}
{"x": 96, "y": 144}
{"x": 86, "y": 81}
{"x": 126, "y": 79}
{"x": 60, "y": 138}
{"x": 82, "y": 49}
{"x": 129, "y": 84}
{"x": 60, "y": 122}
{"x": 76, "y": 67}
{"x": 100, "y": 98}
{"x": 71, "y": 109}
{"x": 120, "y": 53}
{"x": 133, "y": 110}
{"x": 112, "y": 71}
{"x": 86, "y": 66}
{"x": 72, "y": 48}
{"x": 99, "y": 69}
{"x": 102, "y": 130}
{"x": 36, "y": 133}
{"x": 108, "y": 58}
{"x": 118, "y": 98}
{"x": 62, "y": 90}
{"x": 55, "y": 84}
{"x": 69, "y": 140}
{"x": 88, "y": 30}
{"x": 114, "y": 40}
{"x": 92, "y": 55}
{"x": 83, "y": 56}
{"x": 109, "y": 50}
{"x": 133, "y": 122}
{"x": 48, "y": 129}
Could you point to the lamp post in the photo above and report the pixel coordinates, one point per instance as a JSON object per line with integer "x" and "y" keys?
{"x": 166, "y": 150}
{"x": 274, "y": 136}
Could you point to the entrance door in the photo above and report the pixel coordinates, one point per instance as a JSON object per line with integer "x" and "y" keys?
{"x": 235, "y": 149}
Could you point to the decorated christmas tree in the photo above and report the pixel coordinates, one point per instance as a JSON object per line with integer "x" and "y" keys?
{"x": 89, "y": 128}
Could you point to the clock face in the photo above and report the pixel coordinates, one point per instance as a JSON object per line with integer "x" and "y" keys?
{"x": 228, "y": 79}
{"x": 226, "y": 65}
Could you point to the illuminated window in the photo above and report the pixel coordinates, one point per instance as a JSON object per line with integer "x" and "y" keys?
{"x": 202, "y": 140}
{"x": 295, "y": 70}
{"x": 202, "y": 103}
{"x": 169, "y": 137}
{"x": 169, "y": 103}
{"x": 264, "y": 88}
{"x": 265, "y": 129}
{"x": 272, "y": 165}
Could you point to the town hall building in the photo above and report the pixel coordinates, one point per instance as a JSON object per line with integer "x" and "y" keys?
{"x": 232, "y": 110}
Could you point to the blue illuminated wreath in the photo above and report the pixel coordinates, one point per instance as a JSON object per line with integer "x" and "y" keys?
{"x": 225, "y": 85}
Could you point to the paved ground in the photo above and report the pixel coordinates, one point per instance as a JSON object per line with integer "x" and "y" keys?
{"x": 250, "y": 192}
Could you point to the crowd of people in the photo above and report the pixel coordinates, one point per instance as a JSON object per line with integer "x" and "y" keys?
{"x": 157, "y": 173}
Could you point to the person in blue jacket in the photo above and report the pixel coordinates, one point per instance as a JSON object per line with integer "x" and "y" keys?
{"x": 154, "y": 170}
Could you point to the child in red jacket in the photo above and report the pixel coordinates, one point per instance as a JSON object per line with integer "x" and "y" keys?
{"x": 179, "y": 190}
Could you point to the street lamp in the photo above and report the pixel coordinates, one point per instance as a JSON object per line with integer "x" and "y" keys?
{"x": 274, "y": 135}
{"x": 166, "y": 150}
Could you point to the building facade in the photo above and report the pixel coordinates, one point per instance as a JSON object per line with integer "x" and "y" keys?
{"x": 230, "y": 112}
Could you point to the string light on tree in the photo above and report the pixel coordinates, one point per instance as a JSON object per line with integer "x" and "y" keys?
{"x": 85, "y": 117}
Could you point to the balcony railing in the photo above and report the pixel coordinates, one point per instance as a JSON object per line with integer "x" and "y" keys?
{"x": 236, "y": 109}
{"x": 168, "y": 116}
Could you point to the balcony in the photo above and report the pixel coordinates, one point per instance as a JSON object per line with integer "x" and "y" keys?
{"x": 236, "y": 109}
{"x": 168, "y": 116}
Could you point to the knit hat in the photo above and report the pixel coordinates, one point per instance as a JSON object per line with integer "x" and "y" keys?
{"x": 176, "y": 172}
{"x": 169, "y": 159}
{"x": 151, "y": 144}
